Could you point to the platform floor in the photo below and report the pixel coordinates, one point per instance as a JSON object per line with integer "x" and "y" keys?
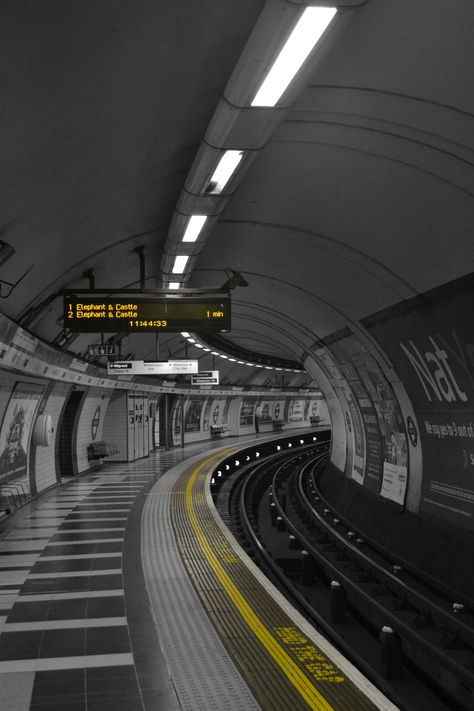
{"x": 112, "y": 589}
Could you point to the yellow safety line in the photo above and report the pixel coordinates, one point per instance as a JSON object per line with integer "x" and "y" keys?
{"x": 294, "y": 673}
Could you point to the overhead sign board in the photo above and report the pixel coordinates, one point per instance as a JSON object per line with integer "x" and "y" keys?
{"x": 145, "y": 367}
{"x": 205, "y": 377}
{"x": 131, "y": 313}
{"x": 102, "y": 349}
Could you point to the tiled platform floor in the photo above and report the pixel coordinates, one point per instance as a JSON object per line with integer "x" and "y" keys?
{"x": 76, "y": 632}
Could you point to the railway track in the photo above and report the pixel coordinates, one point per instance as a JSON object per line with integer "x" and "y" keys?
{"x": 407, "y": 633}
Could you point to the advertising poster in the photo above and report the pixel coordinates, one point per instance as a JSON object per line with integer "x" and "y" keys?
{"x": 431, "y": 344}
{"x": 207, "y": 414}
{"x": 16, "y": 428}
{"x": 306, "y": 410}
{"x": 246, "y": 412}
{"x": 192, "y": 420}
{"x": 176, "y": 417}
{"x": 265, "y": 411}
{"x": 225, "y": 410}
{"x": 296, "y": 411}
{"x": 394, "y": 482}
{"x": 373, "y": 458}
{"x": 381, "y": 416}
{"x": 352, "y": 415}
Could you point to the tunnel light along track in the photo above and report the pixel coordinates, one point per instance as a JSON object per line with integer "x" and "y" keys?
{"x": 307, "y": 32}
{"x": 194, "y": 342}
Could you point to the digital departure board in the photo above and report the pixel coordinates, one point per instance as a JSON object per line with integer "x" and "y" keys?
{"x": 132, "y": 314}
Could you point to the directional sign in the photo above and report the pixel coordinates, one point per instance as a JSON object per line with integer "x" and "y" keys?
{"x": 145, "y": 367}
{"x": 205, "y": 377}
{"x": 101, "y": 349}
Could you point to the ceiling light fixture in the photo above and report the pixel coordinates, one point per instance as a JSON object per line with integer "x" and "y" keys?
{"x": 194, "y": 227}
{"x": 174, "y": 285}
{"x": 224, "y": 171}
{"x": 308, "y": 30}
{"x": 180, "y": 262}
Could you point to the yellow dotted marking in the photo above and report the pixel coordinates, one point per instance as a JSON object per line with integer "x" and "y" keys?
{"x": 287, "y": 664}
{"x": 314, "y": 661}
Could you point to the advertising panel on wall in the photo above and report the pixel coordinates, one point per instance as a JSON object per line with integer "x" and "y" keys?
{"x": 207, "y": 414}
{"x": 16, "y": 428}
{"x": 176, "y": 417}
{"x": 296, "y": 411}
{"x": 225, "y": 410}
{"x": 387, "y": 465}
{"x": 306, "y": 410}
{"x": 246, "y": 412}
{"x": 192, "y": 420}
{"x": 265, "y": 411}
{"x": 352, "y": 414}
{"x": 431, "y": 344}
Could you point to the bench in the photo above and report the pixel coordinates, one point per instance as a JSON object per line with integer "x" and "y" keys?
{"x": 278, "y": 424}
{"x": 12, "y": 495}
{"x": 315, "y": 420}
{"x": 99, "y": 450}
{"x": 217, "y": 430}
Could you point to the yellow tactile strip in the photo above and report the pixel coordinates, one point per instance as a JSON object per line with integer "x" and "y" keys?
{"x": 281, "y": 666}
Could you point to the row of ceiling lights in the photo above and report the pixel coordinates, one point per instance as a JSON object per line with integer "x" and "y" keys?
{"x": 195, "y": 342}
{"x": 309, "y": 28}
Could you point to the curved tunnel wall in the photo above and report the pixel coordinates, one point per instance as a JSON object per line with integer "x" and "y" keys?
{"x": 408, "y": 431}
{"x": 38, "y": 385}
{"x": 124, "y": 420}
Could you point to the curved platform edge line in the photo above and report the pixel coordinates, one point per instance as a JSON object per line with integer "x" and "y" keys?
{"x": 348, "y": 669}
{"x": 292, "y": 671}
{"x": 184, "y": 630}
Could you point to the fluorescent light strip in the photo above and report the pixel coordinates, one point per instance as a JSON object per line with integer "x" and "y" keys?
{"x": 194, "y": 227}
{"x": 180, "y": 262}
{"x": 298, "y": 46}
{"x": 224, "y": 171}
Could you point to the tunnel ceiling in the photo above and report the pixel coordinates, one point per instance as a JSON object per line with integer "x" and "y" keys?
{"x": 361, "y": 197}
